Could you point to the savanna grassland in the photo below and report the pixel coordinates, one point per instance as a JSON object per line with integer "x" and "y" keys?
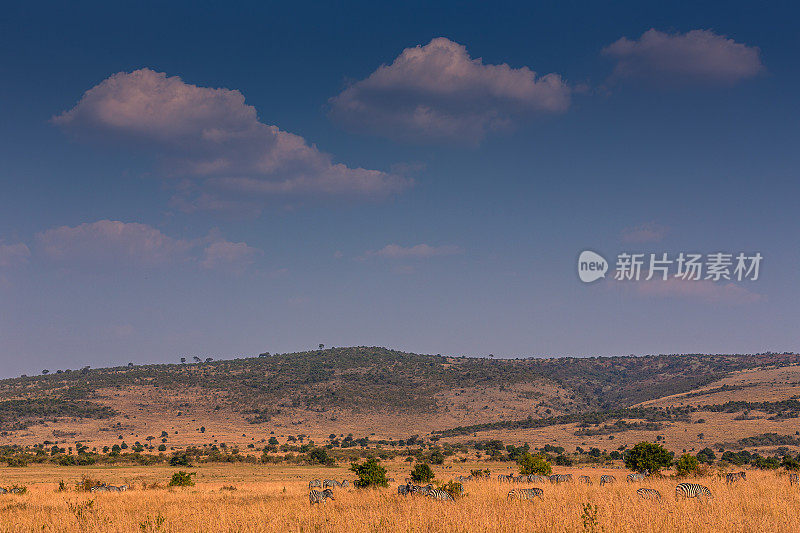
{"x": 275, "y": 498}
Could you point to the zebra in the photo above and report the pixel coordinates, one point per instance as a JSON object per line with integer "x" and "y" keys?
{"x": 462, "y": 479}
{"x": 3, "y": 491}
{"x": 314, "y": 483}
{"x": 635, "y": 477}
{"x": 438, "y": 494}
{"x": 17, "y": 490}
{"x": 692, "y": 490}
{"x": 525, "y": 494}
{"x": 607, "y": 479}
{"x": 793, "y": 479}
{"x": 560, "y": 478}
{"x": 536, "y": 478}
{"x": 585, "y": 479}
{"x": 648, "y": 494}
{"x": 733, "y": 477}
{"x": 330, "y": 483}
{"x": 503, "y": 478}
{"x": 316, "y": 496}
{"x": 344, "y": 483}
{"x": 404, "y": 490}
{"x": 99, "y": 488}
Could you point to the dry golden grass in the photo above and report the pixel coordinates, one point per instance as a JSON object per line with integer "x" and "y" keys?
{"x": 276, "y": 499}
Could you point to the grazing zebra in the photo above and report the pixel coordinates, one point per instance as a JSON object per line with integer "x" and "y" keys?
{"x": 635, "y": 477}
{"x": 344, "y": 483}
{"x": 793, "y": 479}
{"x": 692, "y": 490}
{"x": 330, "y": 483}
{"x": 404, "y": 490}
{"x": 3, "y": 491}
{"x": 314, "y": 483}
{"x": 560, "y": 478}
{"x": 503, "y": 478}
{"x": 438, "y": 494}
{"x": 316, "y": 496}
{"x": 462, "y": 479}
{"x": 585, "y": 479}
{"x": 648, "y": 494}
{"x": 17, "y": 490}
{"x": 733, "y": 477}
{"x": 607, "y": 479}
{"x": 99, "y": 488}
{"x": 525, "y": 494}
{"x": 536, "y": 478}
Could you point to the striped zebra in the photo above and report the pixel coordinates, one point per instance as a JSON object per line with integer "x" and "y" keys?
{"x": 99, "y": 488}
{"x": 524, "y": 494}
{"x": 560, "y": 478}
{"x": 607, "y": 479}
{"x": 3, "y": 491}
{"x": 692, "y": 490}
{"x": 637, "y": 476}
{"x": 344, "y": 483}
{"x": 733, "y": 477}
{"x": 317, "y": 496}
{"x": 462, "y": 479}
{"x": 330, "y": 483}
{"x": 438, "y": 494}
{"x": 314, "y": 483}
{"x": 536, "y": 478}
{"x": 17, "y": 490}
{"x": 648, "y": 494}
{"x": 502, "y": 478}
{"x": 585, "y": 480}
{"x": 404, "y": 490}
{"x": 793, "y": 479}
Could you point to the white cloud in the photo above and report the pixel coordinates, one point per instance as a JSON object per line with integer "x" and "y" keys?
{"x": 438, "y": 91}
{"x": 229, "y": 256}
{"x": 701, "y": 290}
{"x": 212, "y": 137}
{"x": 111, "y": 242}
{"x": 698, "y": 56}
{"x": 12, "y": 255}
{"x": 649, "y": 232}
{"x": 395, "y": 251}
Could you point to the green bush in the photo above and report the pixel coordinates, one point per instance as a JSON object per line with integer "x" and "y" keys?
{"x": 686, "y": 464}
{"x": 319, "y": 456}
{"x": 453, "y": 488}
{"x": 370, "y": 474}
{"x": 181, "y": 479}
{"x": 649, "y": 457}
{"x": 422, "y": 473}
{"x": 533, "y": 464}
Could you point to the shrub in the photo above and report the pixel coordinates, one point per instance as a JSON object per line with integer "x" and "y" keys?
{"x": 437, "y": 457}
{"x": 706, "y": 455}
{"x": 16, "y": 461}
{"x": 370, "y": 474}
{"x": 649, "y": 457}
{"x": 180, "y": 459}
{"x": 181, "y": 479}
{"x": 686, "y": 464}
{"x": 453, "y": 488}
{"x": 422, "y": 473}
{"x": 319, "y": 456}
{"x": 533, "y": 464}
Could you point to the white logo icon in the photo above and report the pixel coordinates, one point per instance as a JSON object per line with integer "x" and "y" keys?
{"x": 591, "y": 266}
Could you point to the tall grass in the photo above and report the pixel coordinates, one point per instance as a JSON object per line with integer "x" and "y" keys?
{"x": 276, "y": 499}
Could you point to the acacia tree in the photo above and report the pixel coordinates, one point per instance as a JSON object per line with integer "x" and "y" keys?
{"x": 533, "y": 464}
{"x": 648, "y": 457}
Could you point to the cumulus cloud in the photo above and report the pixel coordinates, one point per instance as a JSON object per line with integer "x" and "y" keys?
{"x": 229, "y": 256}
{"x": 438, "y": 91}
{"x": 705, "y": 290}
{"x": 213, "y": 138}
{"x": 111, "y": 242}
{"x": 649, "y": 232}
{"x": 12, "y": 255}
{"x": 698, "y": 56}
{"x": 395, "y": 251}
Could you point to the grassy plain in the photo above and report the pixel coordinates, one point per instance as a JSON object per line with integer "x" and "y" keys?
{"x": 241, "y": 497}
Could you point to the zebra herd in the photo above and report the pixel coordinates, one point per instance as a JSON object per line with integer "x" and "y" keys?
{"x": 12, "y": 490}
{"x": 108, "y": 488}
{"x": 327, "y": 483}
{"x": 409, "y": 489}
{"x": 534, "y": 478}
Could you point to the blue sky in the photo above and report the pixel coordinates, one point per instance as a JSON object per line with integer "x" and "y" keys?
{"x": 224, "y": 180}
